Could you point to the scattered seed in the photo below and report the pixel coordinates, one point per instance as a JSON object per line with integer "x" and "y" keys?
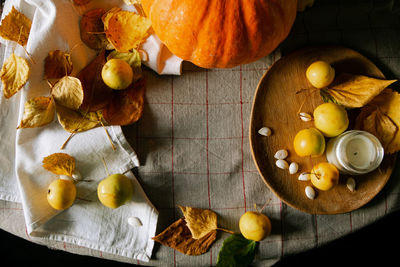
{"x": 282, "y": 164}
{"x": 77, "y": 176}
{"x": 293, "y": 167}
{"x": 134, "y": 221}
{"x": 305, "y": 116}
{"x": 310, "y": 192}
{"x": 265, "y": 131}
{"x": 281, "y": 154}
{"x": 351, "y": 184}
{"x": 304, "y": 176}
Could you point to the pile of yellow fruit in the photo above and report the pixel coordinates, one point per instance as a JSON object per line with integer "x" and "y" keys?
{"x": 330, "y": 120}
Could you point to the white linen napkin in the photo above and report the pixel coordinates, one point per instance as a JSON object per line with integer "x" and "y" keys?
{"x": 55, "y": 25}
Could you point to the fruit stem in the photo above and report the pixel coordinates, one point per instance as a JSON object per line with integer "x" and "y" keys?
{"x": 226, "y": 230}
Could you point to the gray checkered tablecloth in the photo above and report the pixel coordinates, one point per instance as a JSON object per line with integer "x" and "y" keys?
{"x": 193, "y": 142}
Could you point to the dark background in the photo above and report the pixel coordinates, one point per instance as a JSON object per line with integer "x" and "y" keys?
{"x": 374, "y": 245}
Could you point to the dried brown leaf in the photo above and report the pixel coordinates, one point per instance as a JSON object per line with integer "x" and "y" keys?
{"x": 92, "y": 29}
{"x": 81, "y": 2}
{"x": 179, "y": 237}
{"x": 126, "y": 106}
{"x": 15, "y": 27}
{"x": 354, "y": 91}
{"x": 59, "y": 163}
{"x": 68, "y": 92}
{"x": 57, "y": 64}
{"x": 38, "y": 111}
{"x": 199, "y": 221}
{"x": 14, "y": 74}
{"x": 381, "y": 117}
{"x": 96, "y": 94}
{"x": 77, "y": 121}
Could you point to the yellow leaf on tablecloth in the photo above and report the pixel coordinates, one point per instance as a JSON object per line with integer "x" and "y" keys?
{"x": 68, "y": 92}
{"x": 57, "y": 64}
{"x": 14, "y": 74}
{"x": 354, "y": 91}
{"x": 381, "y": 117}
{"x": 60, "y": 164}
{"x": 38, "y": 111}
{"x": 15, "y": 27}
{"x": 75, "y": 121}
{"x": 125, "y": 30}
{"x": 199, "y": 221}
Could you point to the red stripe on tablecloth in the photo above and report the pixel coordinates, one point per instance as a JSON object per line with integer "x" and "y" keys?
{"x": 242, "y": 129}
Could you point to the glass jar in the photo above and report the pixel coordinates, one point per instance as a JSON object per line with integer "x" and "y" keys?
{"x": 355, "y": 152}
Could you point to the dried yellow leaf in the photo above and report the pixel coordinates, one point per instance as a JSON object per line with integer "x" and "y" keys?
{"x": 38, "y": 111}
{"x": 199, "y": 221}
{"x": 76, "y": 121}
{"x": 354, "y": 91}
{"x": 125, "y": 30}
{"x": 68, "y": 92}
{"x": 60, "y": 164}
{"x": 14, "y": 74}
{"x": 15, "y": 27}
{"x": 57, "y": 64}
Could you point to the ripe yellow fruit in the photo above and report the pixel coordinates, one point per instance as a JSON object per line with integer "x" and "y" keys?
{"x": 115, "y": 190}
{"x": 331, "y": 119}
{"x": 254, "y": 226}
{"x": 324, "y": 176}
{"x": 61, "y": 194}
{"x": 320, "y": 74}
{"x": 309, "y": 142}
{"x": 117, "y": 74}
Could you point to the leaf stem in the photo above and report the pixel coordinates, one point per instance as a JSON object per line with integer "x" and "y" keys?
{"x": 226, "y": 230}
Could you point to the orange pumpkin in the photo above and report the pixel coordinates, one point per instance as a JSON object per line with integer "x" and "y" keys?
{"x": 221, "y": 33}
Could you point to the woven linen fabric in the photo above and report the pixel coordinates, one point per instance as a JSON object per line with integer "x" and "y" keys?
{"x": 192, "y": 142}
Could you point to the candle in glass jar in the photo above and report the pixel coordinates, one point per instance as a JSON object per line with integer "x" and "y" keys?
{"x": 355, "y": 152}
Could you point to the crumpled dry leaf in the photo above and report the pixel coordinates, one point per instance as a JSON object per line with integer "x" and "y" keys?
{"x": 379, "y": 116}
{"x": 354, "y": 91}
{"x": 179, "y": 237}
{"x": 92, "y": 29}
{"x": 125, "y": 30}
{"x": 77, "y": 121}
{"x": 57, "y": 64}
{"x": 14, "y": 74}
{"x": 60, "y": 164}
{"x": 15, "y": 27}
{"x": 68, "y": 92}
{"x": 199, "y": 221}
{"x": 96, "y": 94}
{"x": 38, "y": 111}
{"x": 126, "y": 106}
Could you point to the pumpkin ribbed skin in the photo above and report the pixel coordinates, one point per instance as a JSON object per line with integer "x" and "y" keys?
{"x": 221, "y": 33}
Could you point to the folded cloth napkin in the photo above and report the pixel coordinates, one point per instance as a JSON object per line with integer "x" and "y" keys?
{"x": 55, "y": 25}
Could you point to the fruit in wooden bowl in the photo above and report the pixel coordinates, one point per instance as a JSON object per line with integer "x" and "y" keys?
{"x": 324, "y": 176}
{"x": 309, "y": 142}
{"x": 221, "y": 34}
{"x": 320, "y": 74}
{"x": 331, "y": 119}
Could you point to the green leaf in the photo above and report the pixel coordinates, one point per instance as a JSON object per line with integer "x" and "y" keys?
{"x": 326, "y": 97}
{"x": 237, "y": 251}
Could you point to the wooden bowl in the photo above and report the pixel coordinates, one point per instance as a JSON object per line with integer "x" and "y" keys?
{"x": 276, "y": 106}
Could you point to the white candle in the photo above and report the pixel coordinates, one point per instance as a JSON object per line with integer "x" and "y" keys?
{"x": 355, "y": 152}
